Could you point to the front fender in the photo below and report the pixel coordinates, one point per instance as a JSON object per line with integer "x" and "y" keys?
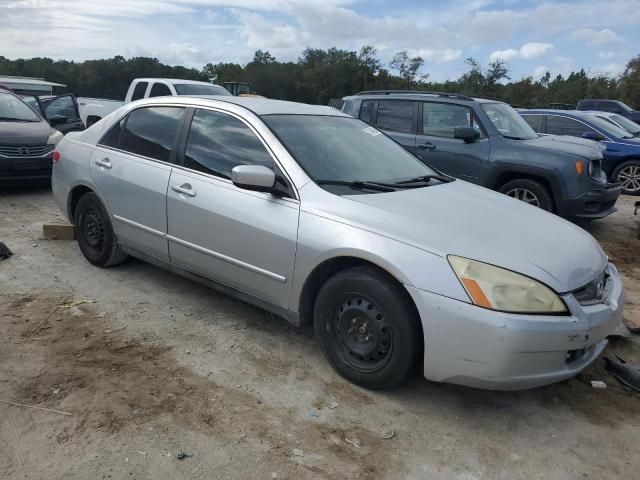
{"x": 321, "y": 239}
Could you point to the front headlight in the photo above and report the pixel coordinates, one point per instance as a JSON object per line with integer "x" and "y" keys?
{"x": 54, "y": 138}
{"x": 500, "y": 289}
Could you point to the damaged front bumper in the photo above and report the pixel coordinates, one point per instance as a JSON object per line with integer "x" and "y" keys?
{"x": 477, "y": 347}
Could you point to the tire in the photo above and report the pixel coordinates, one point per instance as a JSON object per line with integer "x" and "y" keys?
{"x": 368, "y": 328}
{"x": 96, "y": 238}
{"x": 628, "y": 174}
{"x": 529, "y": 191}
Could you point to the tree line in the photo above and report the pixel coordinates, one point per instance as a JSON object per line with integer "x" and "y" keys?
{"x": 319, "y": 75}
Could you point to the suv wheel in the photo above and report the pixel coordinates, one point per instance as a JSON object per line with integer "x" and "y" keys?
{"x": 529, "y": 191}
{"x": 368, "y": 327}
{"x": 96, "y": 238}
{"x": 628, "y": 174}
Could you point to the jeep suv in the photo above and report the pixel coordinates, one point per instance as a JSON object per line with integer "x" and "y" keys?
{"x": 486, "y": 142}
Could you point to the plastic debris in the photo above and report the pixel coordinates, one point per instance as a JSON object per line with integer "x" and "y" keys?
{"x": 101, "y": 315}
{"x": 333, "y": 405}
{"x": 598, "y": 384}
{"x": 183, "y": 455}
{"x": 388, "y": 434}
{"x": 355, "y": 442}
{"x": 627, "y": 373}
{"x": 4, "y": 251}
{"x": 298, "y": 453}
{"x": 274, "y": 475}
{"x": 314, "y": 414}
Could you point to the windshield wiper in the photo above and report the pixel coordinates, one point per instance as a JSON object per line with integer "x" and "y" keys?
{"x": 425, "y": 179}
{"x": 360, "y": 185}
{"x": 12, "y": 119}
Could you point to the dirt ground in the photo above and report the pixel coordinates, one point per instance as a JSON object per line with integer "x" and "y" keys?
{"x": 149, "y": 364}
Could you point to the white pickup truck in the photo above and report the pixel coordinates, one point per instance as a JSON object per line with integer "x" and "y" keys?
{"x": 93, "y": 109}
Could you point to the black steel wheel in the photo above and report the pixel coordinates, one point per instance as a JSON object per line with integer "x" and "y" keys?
{"x": 368, "y": 327}
{"x": 96, "y": 238}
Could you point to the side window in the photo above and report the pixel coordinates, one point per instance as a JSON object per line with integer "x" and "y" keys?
{"x": 62, "y": 106}
{"x": 138, "y": 91}
{"x": 112, "y": 138}
{"x": 565, "y": 126}
{"x": 395, "y": 115}
{"x": 365, "y": 110}
{"x": 534, "y": 121}
{"x": 217, "y": 142}
{"x": 159, "y": 90}
{"x": 441, "y": 119}
{"x": 151, "y": 131}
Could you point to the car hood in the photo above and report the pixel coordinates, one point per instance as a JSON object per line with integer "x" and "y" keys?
{"x": 572, "y": 145}
{"x": 24, "y": 133}
{"x": 462, "y": 219}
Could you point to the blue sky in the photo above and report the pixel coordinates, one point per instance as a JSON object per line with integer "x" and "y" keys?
{"x": 531, "y": 36}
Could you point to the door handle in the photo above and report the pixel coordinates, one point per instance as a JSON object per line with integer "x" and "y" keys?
{"x": 185, "y": 189}
{"x": 105, "y": 162}
{"x": 427, "y": 146}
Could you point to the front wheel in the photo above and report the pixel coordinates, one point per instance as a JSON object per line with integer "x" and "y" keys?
{"x": 529, "y": 191}
{"x": 96, "y": 238}
{"x": 368, "y": 327}
{"x": 628, "y": 174}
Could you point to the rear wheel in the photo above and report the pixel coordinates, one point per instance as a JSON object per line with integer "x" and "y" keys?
{"x": 368, "y": 327}
{"x": 96, "y": 238}
{"x": 529, "y": 191}
{"x": 628, "y": 174}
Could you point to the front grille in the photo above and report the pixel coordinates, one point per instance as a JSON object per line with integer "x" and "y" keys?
{"x": 25, "y": 151}
{"x": 594, "y": 291}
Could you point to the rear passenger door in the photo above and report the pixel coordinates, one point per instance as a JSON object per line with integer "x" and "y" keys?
{"x": 131, "y": 168}
{"x": 64, "y": 106}
{"x": 436, "y": 145}
{"x": 237, "y": 237}
{"x": 397, "y": 118}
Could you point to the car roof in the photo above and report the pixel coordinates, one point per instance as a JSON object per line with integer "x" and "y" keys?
{"x": 572, "y": 113}
{"x": 257, "y": 105}
{"x": 417, "y": 95}
{"x": 174, "y": 80}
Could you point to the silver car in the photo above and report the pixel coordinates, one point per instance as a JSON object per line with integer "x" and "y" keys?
{"x": 321, "y": 218}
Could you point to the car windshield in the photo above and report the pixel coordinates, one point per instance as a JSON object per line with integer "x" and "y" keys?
{"x": 508, "y": 122}
{"x": 14, "y": 109}
{"x": 198, "y": 89}
{"x": 608, "y": 127}
{"x": 344, "y": 149}
{"x": 632, "y": 127}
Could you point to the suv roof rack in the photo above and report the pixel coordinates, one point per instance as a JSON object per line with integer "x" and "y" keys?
{"x": 413, "y": 92}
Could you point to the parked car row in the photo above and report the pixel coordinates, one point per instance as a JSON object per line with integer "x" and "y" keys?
{"x": 488, "y": 143}
{"x": 321, "y": 218}
{"x": 618, "y": 135}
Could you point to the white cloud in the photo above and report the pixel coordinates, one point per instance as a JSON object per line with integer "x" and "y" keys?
{"x": 438, "y": 56}
{"x": 534, "y": 49}
{"x": 527, "y": 51}
{"x": 596, "y": 38}
{"x": 605, "y": 55}
{"x": 611, "y": 70}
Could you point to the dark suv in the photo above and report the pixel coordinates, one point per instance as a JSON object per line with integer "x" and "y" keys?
{"x": 486, "y": 142}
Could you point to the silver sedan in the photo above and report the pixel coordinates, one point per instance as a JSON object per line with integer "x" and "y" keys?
{"x": 321, "y": 218}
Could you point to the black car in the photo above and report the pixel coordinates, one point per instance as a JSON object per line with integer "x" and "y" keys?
{"x": 611, "y": 106}
{"x": 27, "y": 140}
{"x": 486, "y": 142}
{"x": 63, "y": 109}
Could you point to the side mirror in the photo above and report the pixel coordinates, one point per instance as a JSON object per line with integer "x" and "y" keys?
{"x": 468, "y": 134}
{"x": 57, "y": 120}
{"x": 595, "y": 136}
{"x": 254, "y": 177}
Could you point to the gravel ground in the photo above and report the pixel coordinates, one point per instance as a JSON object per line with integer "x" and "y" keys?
{"x": 149, "y": 364}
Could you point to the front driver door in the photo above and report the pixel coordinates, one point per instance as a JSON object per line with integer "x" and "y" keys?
{"x": 436, "y": 145}
{"x": 237, "y": 237}
{"x": 65, "y": 106}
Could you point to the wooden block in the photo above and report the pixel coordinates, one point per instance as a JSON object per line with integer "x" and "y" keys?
{"x": 58, "y": 231}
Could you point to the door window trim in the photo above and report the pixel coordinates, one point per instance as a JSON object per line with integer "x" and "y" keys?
{"x": 183, "y": 144}
{"x": 570, "y": 118}
{"x": 125, "y": 117}
{"x": 474, "y": 116}
{"x": 414, "y": 119}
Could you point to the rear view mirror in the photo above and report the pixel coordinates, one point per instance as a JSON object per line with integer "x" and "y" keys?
{"x": 468, "y": 134}
{"x": 593, "y": 136}
{"x": 254, "y": 177}
{"x": 57, "y": 120}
